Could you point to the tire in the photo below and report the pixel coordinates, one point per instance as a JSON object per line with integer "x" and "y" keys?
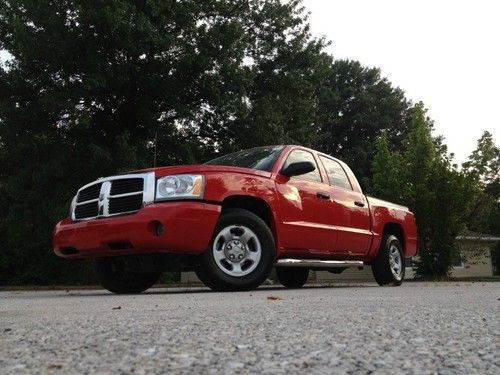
{"x": 112, "y": 274}
{"x": 389, "y": 265}
{"x": 241, "y": 254}
{"x": 292, "y": 277}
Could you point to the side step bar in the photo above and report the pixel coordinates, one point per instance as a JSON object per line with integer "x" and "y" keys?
{"x": 318, "y": 263}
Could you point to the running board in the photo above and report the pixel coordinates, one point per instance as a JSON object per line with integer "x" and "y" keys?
{"x": 318, "y": 263}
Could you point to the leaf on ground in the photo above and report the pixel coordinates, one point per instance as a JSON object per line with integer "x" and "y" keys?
{"x": 274, "y": 298}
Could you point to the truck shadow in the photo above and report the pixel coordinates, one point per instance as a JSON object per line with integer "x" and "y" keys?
{"x": 205, "y": 290}
{"x": 169, "y": 290}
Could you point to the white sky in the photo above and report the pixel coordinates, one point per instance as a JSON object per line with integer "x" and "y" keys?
{"x": 444, "y": 53}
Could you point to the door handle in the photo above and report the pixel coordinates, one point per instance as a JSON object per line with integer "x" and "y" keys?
{"x": 322, "y": 195}
{"x": 359, "y": 203}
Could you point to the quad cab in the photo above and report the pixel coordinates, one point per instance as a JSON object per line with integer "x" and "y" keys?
{"x": 234, "y": 218}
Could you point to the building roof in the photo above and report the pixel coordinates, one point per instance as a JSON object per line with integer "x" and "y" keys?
{"x": 474, "y": 236}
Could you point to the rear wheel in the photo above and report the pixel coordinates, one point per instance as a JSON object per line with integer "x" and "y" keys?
{"x": 241, "y": 254}
{"x": 389, "y": 267}
{"x": 292, "y": 277}
{"x": 114, "y": 275}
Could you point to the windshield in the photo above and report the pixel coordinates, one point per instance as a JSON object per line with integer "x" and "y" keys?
{"x": 261, "y": 158}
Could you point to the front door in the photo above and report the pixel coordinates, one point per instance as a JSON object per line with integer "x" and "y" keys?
{"x": 305, "y": 209}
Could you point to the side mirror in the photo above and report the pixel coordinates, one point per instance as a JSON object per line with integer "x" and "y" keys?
{"x": 298, "y": 168}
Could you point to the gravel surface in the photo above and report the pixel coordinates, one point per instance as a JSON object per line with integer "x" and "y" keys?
{"x": 419, "y": 328}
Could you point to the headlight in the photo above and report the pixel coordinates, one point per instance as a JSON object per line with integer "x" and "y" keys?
{"x": 179, "y": 186}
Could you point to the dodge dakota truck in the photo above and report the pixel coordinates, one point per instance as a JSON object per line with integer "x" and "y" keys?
{"x": 234, "y": 218}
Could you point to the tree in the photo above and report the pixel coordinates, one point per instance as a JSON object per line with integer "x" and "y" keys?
{"x": 93, "y": 87}
{"x": 387, "y": 182}
{"x": 483, "y": 162}
{"x": 424, "y": 178}
{"x": 282, "y": 102}
{"x": 356, "y": 106}
{"x": 441, "y": 219}
{"x": 483, "y": 170}
{"x": 460, "y": 201}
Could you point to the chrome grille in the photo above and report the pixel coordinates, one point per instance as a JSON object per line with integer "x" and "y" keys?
{"x": 113, "y": 196}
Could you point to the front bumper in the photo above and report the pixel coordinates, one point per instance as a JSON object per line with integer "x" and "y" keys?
{"x": 188, "y": 228}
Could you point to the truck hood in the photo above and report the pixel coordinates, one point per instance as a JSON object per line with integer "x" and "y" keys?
{"x": 202, "y": 168}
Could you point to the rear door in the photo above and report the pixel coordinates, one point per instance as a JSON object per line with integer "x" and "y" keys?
{"x": 349, "y": 211}
{"x": 304, "y": 209}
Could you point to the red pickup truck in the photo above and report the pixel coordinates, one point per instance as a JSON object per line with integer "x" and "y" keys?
{"x": 232, "y": 219}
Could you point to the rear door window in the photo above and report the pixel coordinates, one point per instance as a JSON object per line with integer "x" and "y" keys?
{"x": 336, "y": 174}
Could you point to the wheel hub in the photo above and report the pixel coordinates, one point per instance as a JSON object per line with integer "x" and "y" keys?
{"x": 235, "y": 251}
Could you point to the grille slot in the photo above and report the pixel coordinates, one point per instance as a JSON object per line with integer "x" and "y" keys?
{"x": 87, "y": 194}
{"x": 86, "y": 210}
{"x": 125, "y": 204}
{"x": 127, "y": 185}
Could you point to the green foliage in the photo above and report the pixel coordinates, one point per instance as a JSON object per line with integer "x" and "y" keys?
{"x": 494, "y": 228}
{"x": 94, "y": 86}
{"x": 445, "y": 200}
{"x": 440, "y": 219}
{"x": 483, "y": 171}
{"x": 387, "y": 168}
{"x": 357, "y": 106}
{"x": 483, "y": 168}
{"x": 483, "y": 163}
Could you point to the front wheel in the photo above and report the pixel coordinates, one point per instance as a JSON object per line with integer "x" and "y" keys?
{"x": 241, "y": 254}
{"x": 389, "y": 265}
{"x": 114, "y": 275}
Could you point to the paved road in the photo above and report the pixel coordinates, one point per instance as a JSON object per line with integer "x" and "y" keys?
{"x": 446, "y": 328}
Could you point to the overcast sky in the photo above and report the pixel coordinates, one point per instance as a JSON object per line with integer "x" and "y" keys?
{"x": 444, "y": 53}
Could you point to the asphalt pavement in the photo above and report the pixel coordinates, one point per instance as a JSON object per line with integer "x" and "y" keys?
{"x": 418, "y": 328}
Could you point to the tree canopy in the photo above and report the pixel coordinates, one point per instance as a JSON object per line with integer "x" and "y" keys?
{"x": 445, "y": 200}
{"x": 93, "y": 88}
{"x": 356, "y": 106}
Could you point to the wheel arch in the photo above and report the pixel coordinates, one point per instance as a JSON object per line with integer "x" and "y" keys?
{"x": 256, "y": 205}
{"x": 397, "y": 230}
